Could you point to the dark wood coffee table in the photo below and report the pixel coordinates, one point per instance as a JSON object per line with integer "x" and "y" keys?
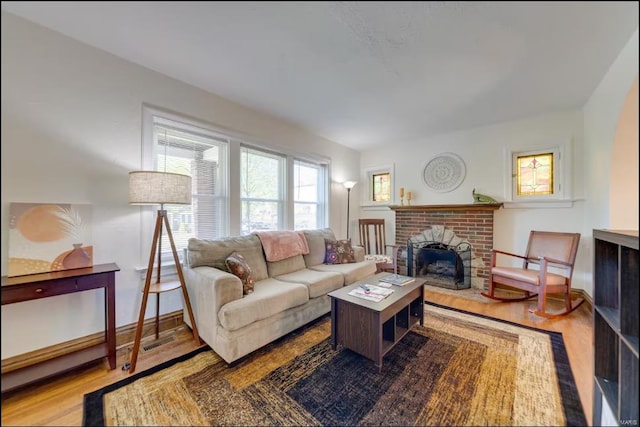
{"x": 373, "y": 328}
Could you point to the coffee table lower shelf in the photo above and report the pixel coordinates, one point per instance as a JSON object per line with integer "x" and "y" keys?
{"x": 373, "y": 328}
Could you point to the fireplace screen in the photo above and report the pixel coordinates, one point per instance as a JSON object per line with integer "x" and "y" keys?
{"x": 440, "y": 264}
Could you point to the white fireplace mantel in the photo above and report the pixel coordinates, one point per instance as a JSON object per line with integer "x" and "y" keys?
{"x": 469, "y": 207}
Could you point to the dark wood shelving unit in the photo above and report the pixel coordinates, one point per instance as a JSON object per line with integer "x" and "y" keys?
{"x": 615, "y": 328}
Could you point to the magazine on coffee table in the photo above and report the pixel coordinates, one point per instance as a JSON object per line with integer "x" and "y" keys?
{"x": 397, "y": 279}
{"x": 371, "y": 292}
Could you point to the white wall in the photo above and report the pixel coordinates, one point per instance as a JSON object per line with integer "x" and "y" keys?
{"x": 601, "y": 116}
{"x": 71, "y": 132}
{"x": 591, "y": 132}
{"x": 485, "y": 153}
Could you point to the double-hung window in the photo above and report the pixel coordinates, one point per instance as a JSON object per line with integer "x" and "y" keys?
{"x": 262, "y": 192}
{"x": 180, "y": 146}
{"x": 278, "y": 190}
{"x": 272, "y": 198}
{"x": 309, "y": 195}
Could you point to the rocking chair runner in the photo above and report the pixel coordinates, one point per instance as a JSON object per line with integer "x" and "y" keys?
{"x": 547, "y": 250}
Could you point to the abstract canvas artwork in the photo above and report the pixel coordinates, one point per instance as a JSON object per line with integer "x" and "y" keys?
{"x": 49, "y": 237}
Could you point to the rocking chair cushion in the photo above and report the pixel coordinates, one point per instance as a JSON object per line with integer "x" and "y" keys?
{"x": 386, "y": 259}
{"x": 529, "y": 276}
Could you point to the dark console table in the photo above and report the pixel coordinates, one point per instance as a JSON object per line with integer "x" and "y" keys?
{"x": 45, "y": 285}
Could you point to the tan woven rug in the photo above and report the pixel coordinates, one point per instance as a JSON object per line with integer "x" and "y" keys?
{"x": 459, "y": 369}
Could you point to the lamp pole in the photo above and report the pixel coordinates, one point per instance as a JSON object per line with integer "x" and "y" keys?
{"x": 348, "y": 196}
{"x": 348, "y": 185}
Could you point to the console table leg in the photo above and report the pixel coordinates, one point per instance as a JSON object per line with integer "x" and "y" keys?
{"x": 110, "y": 301}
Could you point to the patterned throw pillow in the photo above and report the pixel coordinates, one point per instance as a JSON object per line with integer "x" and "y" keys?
{"x": 238, "y": 266}
{"x": 339, "y": 252}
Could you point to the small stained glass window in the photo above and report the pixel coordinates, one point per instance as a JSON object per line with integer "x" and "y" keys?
{"x": 535, "y": 174}
{"x": 381, "y": 187}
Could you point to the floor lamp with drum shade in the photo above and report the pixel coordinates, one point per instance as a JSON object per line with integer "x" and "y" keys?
{"x": 160, "y": 188}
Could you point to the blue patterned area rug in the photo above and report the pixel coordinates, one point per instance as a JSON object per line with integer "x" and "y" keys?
{"x": 459, "y": 369}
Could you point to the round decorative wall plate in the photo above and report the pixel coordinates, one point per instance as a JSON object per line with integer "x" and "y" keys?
{"x": 444, "y": 172}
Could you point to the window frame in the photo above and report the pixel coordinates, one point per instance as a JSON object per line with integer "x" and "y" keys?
{"x": 233, "y": 213}
{"x": 517, "y": 166}
{"x": 322, "y": 202}
{"x": 290, "y": 156}
{"x": 281, "y": 199}
{"x": 367, "y": 175}
{"x": 562, "y": 191}
{"x": 150, "y": 117}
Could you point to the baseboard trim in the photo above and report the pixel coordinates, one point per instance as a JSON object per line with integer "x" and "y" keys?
{"x": 579, "y": 293}
{"x": 124, "y": 336}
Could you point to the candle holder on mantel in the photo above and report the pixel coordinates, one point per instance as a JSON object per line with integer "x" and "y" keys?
{"x": 408, "y": 198}
{"x": 401, "y": 196}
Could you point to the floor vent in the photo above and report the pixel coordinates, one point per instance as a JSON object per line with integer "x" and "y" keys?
{"x": 157, "y": 343}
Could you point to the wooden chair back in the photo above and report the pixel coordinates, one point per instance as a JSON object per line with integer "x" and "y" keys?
{"x": 554, "y": 245}
{"x": 372, "y": 236}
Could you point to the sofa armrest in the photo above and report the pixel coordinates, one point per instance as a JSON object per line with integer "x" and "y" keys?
{"x": 209, "y": 289}
{"x": 358, "y": 252}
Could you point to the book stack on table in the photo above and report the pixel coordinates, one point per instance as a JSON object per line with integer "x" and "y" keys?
{"x": 397, "y": 279}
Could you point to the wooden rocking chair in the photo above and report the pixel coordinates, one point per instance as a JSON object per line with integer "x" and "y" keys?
{"x": 545, "y": 250}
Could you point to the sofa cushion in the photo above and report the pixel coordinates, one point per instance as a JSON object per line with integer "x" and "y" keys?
{"x": 351, "y": 272}
{"x": 269, "y": 297}
{"x": 239, "y": 267}
{"x": 285, "y": 266}
{"x": 213, "y": 253}
{"x": 317, "y": 248}
{"x": 319, "y": 282}
{"x": 339, "y": 252}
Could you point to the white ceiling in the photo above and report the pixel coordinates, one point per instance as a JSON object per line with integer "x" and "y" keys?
{"x": 364, "y": 73}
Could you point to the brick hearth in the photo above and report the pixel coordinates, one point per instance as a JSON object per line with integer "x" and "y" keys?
{"x": 471, "y": 222}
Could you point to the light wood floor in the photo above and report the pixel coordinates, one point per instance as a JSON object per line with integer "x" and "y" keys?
{"x": 59, "y": 402}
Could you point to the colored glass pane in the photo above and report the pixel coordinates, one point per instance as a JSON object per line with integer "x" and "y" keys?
{"x": 535, "y": 174}
{"x": 381, "y": 187}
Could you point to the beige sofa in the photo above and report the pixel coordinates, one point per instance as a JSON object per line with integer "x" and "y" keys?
{"x": 287, "y": 293}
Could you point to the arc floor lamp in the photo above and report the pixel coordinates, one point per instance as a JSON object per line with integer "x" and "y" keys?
{"x": 160, "y": 188}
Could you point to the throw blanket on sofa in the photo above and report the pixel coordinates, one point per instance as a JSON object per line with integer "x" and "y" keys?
{"x": 283, "y": 244}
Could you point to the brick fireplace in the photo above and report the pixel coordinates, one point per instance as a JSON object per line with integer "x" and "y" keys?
{"x": 473, "y": 223}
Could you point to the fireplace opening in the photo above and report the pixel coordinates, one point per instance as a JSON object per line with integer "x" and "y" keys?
{"x": 438, "y": 260}
{"x": 440, "y": 264}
